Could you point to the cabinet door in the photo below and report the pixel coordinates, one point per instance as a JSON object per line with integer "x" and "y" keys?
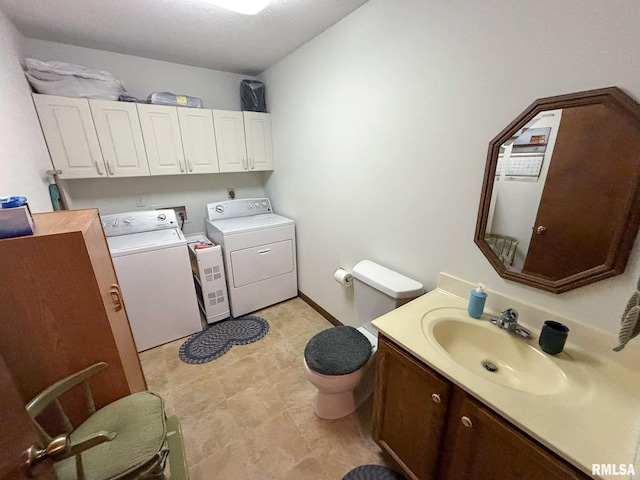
{"x": 480, "y": 444}
{"x": 198, "y": 140}
{"x": 161, "y": 133}
{"x": 70, "y": 135}
{"x": 409, "y": 413}
{"x": 57, "y": 313}
{"x": 120, "y": 138}
{"x": 229, "y": 128}
{"x": 257, "y": 130}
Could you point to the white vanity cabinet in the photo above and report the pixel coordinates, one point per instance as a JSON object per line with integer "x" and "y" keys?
{"x": 198, "y": 140}
{"x": 71, "y": 137}
{"x": 120, "y": 137}
{"x": 257, "y": 131}
{"x": 162, "y": 139}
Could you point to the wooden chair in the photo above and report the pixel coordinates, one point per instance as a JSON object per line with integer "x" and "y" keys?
{"x": 128, "y": 439}
{"x": 504, "y": 246}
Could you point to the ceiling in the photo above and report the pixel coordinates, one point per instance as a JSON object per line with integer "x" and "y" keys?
{"x": 188, "y": 32}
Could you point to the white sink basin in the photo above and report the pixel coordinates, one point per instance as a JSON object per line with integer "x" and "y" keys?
{"x": 494, "y": 354}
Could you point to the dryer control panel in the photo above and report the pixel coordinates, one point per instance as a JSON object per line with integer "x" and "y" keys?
{"x": 138, "y": 222}
{"x": 238, "y": 208}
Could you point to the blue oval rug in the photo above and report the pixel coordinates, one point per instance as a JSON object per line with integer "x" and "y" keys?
{"x": 216, "y": 339}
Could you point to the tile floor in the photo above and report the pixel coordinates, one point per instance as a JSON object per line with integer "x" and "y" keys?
{"x": 249, "y": 414}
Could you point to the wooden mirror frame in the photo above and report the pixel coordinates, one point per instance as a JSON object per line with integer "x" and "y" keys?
{"x": 619, "y": 250}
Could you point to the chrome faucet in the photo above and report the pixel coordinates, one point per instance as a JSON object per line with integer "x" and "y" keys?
{"x": 508, "y": 320}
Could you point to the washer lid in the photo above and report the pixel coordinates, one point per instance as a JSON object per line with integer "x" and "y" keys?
{"x": 232, "y": 226}
{"x": 145, "y": 241}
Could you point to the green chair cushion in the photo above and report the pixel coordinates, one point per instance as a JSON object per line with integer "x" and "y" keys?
{"x": 139, "y": 422}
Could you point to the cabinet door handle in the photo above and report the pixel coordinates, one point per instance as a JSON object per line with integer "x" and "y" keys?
{"x": 100, "y": 172}
{"x": 466, "y": 421}
{"x": 190, "y": 164}
{"x": 109, "y": 168}
{"x": 244, "y": 163}
{"x": 181, "y": 166}
{"x": 116, "y": 297}
{"x": 436, "y": 398}
{"x": 252, "y": 163}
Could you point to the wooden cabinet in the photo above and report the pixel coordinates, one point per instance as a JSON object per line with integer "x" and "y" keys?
{"x": 410, "y": 411}
{"x": 71, "y": 137}
{"x": 120, "y": 138}
{"x": 232, "y": 150}
{"x": 61, "y": 309}
{"x": 102, "y": 138}
{"x": 435, "y": 430}
{"x": 198, "y": 140}
{"x": 480, "y": 444}
{"x": 161, "y": 132}
{"x": 257, "y": 131}
{"x": 244, "y": 141}
{"x": 92, "y": 138}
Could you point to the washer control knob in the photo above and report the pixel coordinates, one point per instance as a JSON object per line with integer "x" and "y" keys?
{"x": 219, "y": 208}
{"x": 264, "y": 203}
{"x": 257, "y": 204}
{"x": 162, "y": 217}
{"x": 249, "y": 205}
{"x": 126, "y": 221}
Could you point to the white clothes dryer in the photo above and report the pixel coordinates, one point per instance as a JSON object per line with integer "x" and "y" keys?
{"x": 152, "y": 264}
{"x": 259, "y": 250}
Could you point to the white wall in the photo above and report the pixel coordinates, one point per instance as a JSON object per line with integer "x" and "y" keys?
{"x": 368, "y": 120}
{"x": 142, "y": 76}
{"x": 24, "y": 158}
{"x": 116, "y": 195}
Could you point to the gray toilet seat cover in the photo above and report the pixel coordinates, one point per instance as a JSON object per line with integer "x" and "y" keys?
{"x": 337, "y": 351}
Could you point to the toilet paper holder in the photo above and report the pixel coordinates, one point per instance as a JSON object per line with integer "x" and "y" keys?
{"x": 343, "y": 277}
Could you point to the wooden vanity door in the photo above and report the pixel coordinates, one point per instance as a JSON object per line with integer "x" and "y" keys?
{"x": 410, "y": 406}
{"x": 480, "y": 445}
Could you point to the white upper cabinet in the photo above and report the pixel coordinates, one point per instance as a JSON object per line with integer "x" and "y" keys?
{"x": 232, "y": 152}
{"x": 257, "y": 129}
{"x": 162, "y": 139}
{"x": 70, "y": 135}
{"x": 120, "y": 137}
{"x": 198, "y": 140}
{"x": 90, "y": 138}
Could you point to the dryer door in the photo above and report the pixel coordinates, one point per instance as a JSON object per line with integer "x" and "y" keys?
{"x": 256, "y": 264}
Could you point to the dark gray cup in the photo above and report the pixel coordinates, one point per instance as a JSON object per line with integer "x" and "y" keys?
{"x": 553, "y": 336}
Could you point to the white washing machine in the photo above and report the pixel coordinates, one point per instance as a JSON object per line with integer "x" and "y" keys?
{"x": 152, "y": 264}
{"x": 259, "y": 250}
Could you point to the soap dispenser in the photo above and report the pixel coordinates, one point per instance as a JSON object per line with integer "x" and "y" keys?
{"x": 476, "y": 301}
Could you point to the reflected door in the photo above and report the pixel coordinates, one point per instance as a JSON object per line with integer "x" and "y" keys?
{"x": 578, "y": 224}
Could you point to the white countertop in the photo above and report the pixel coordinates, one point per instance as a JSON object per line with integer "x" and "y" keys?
{"x": 593, "y": 418}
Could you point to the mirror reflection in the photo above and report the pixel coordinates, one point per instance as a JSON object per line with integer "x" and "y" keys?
{"x": 560, "y": 188}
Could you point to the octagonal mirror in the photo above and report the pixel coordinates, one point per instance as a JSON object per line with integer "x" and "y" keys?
{"x": 560, "y": 204}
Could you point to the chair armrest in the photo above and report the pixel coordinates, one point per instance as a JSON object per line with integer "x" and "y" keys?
{"x": 44, "y": 398}
{"x": 85, "y": 443}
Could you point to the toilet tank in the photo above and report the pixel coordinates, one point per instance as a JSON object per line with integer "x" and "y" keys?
{"x": 379, "y": 290}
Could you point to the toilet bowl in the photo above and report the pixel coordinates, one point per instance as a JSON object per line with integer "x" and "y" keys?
{"x": 340, "y": 361}
{"x": 340, "y": 395}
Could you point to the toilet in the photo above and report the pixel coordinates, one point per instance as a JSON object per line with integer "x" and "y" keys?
{"x": 339, "y": 361}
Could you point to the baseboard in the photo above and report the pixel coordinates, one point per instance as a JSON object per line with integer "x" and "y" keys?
{"x": 333, "y": 320}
